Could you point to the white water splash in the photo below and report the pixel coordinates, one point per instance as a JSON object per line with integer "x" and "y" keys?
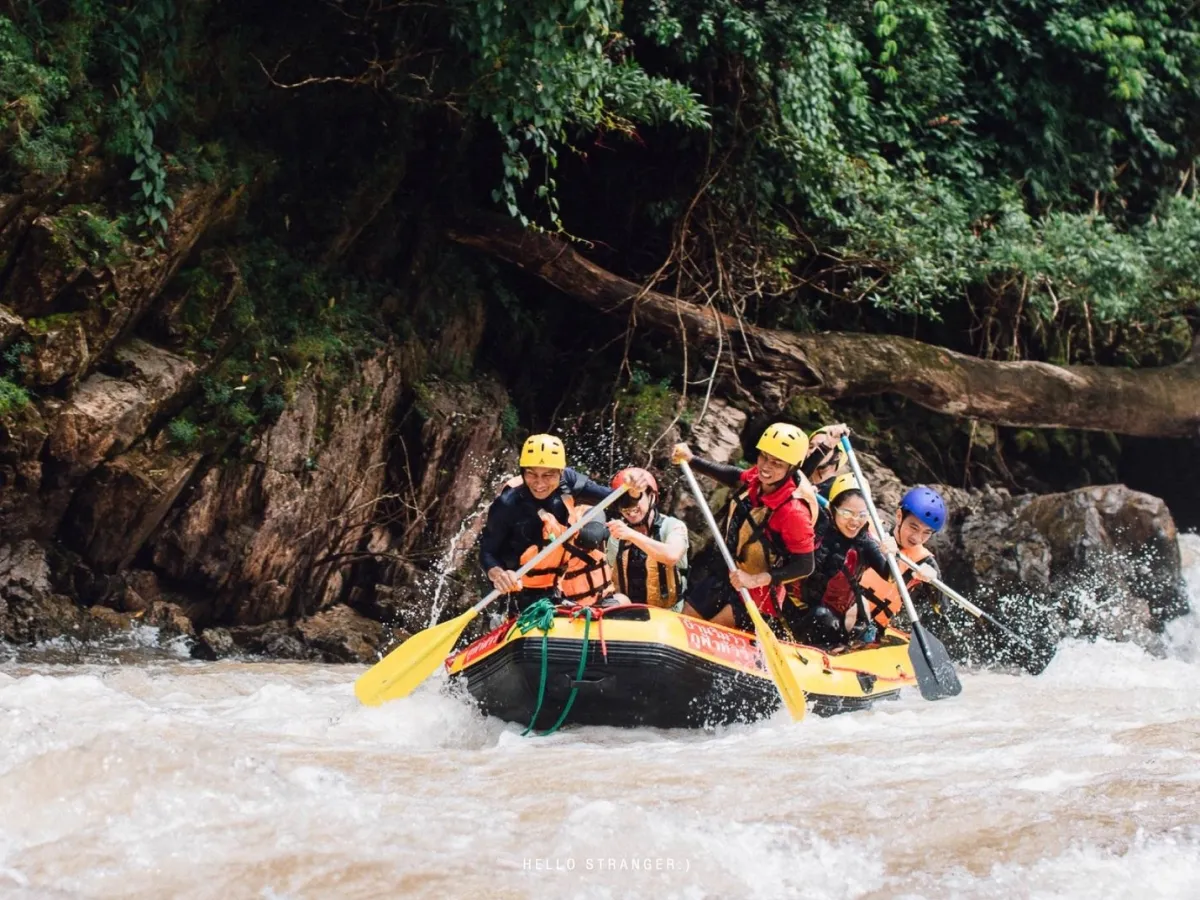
{"x": 451, "y": 560}
{"x": 223, "y": 780}
{"x": 1183, "y": 635}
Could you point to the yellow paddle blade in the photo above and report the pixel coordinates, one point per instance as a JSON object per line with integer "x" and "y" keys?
{"x": 398, "y": 674}
{"x": 781, "y": 672}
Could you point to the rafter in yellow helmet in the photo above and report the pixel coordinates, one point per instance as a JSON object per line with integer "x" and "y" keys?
{"x": 841, "y": 484}
{"x": 544, "y": 451}
{"x": 786, "y": 442}
{"x": 838, "y": 457}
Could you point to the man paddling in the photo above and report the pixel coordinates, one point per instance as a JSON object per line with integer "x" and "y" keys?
{"x": 921, "y": 515}
{"x": 514, "y": 531}
{"x": 768, "y": 529}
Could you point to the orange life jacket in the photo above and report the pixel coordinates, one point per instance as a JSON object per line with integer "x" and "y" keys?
{"x": 883, "y": 593}
{"x": 545, "y": 576}
{"x": 586, "y": 575}
{"x": 758, "y": 548}
{"x": 755, "y": 548}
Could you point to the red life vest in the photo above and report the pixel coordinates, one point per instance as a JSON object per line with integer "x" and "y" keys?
{"x": 752, "y": 532}
{"x": 839, "y": 592}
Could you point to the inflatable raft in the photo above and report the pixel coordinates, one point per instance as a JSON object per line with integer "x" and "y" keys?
{"x": 654, "y": 667}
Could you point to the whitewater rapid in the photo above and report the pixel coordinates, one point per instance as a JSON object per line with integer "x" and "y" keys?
{"x": 173, "y": 778}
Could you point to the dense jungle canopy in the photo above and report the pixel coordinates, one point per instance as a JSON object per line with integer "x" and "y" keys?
{"x": 1011, "y": 180}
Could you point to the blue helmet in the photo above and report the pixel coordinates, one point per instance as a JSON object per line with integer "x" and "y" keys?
{"x": 927, "y": 505}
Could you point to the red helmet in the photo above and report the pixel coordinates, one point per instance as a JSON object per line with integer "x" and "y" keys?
{"x": 619, "y": 478}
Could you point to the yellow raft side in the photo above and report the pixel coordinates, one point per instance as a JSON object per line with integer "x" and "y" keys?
{"x": 874, "y": 670}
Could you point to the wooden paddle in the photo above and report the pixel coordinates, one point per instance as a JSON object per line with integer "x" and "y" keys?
{"x": 781, "y": 673}
{"x": 935, "y": 672}
{"x": 398, "y": 674}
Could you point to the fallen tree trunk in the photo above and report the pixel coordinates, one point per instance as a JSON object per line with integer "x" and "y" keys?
{"x": 1157, "y": 402}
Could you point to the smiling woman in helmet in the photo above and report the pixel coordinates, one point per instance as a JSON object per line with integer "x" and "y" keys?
{"x": 830, "y": 609}
{"x": 768, "y": 527}
{"x": 647, "y": 549}
{"x": 515, "y": 531}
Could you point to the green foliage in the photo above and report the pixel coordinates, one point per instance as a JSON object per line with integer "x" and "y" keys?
{"x": 543, "y": 67}
{"x": 59, "y": 67}
{"x": 647, "y": 408}
{"x": 29, "y": 94}
{"x": 13, "y": 397}
{"x": 291, "y": 320}
{"x": 12, "y": 355}
{"x": 144, "y": 41}
{"x": 1022, "y": 156}
{"x": 1061, "y": 265}
{"x": 509, "y": 423}
{"x": 97, "y": 239}
{"x": 183, "y": 433}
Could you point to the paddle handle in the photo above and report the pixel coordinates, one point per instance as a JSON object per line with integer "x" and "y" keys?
{"x": 562, "y": 538}
{"x": 971, "y": 607}
{"x": 712, "y": 524}
{"x": 891, "y": 557}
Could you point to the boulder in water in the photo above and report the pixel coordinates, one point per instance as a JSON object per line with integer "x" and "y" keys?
{"x": 44, "y": 618}
{"x": 214, "y": 643}
{"x": 1124, "y": 546}
{"x": 170, "y": 619}
{"x": 277, "y": 639}
{"x": 339, "y": 634}
{"x": 1097, "y": 562}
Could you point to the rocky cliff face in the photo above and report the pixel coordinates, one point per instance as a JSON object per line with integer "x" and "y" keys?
{"x": 274, "y": 543}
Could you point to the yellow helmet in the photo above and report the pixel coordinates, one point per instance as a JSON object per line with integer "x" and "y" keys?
{"x": 837, "y": 457}
{"x": 787, "y": 442}
{"x": 841, "y": 484}
{"x": 543, "y": 450}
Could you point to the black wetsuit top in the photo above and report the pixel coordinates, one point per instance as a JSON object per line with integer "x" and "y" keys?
{"x": 513, "y": 524}
{"x": 830, "y": 558}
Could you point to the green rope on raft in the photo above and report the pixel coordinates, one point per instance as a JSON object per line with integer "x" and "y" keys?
{"x": 540, "y": 616}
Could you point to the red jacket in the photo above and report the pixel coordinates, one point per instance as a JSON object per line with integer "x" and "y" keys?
{"x": 791, "y": 522}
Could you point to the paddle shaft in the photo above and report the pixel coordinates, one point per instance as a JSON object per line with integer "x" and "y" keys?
{"x": 969, "y": 606}
{"x": 562, "y": 538}
{"x": 712, "y": 524}
{"x": 891, "y": 557}
{"x": 932, "y": 666}
{"x": 790, "y": 691}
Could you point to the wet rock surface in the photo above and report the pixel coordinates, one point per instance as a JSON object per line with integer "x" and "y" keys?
{"x": 266, "y": 536}
{"x": 364, "y": 472}
{"x": 339, "y": 634}
{"x": 1098, "y": 562}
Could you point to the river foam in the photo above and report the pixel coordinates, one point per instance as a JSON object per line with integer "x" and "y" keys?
{"x": 227, "y": 780}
